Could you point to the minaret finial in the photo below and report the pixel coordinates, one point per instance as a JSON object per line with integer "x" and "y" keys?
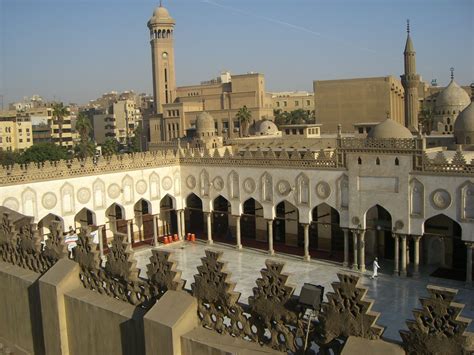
{"x": 452, "y": 73}
{"x": 161, "y": 3}
{"x": 408, "y": 26}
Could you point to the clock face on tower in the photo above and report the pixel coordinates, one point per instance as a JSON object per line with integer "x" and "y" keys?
{"x": 164, "y": 55}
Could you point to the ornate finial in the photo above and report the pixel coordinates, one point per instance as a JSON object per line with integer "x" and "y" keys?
{"x": 408, "y": 26}
{"x": 161, "y": 3}
{"x": 452, "y": 73}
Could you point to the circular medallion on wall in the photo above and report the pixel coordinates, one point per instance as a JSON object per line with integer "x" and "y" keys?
{"x": 249, "y": 185}
{"x": 283, "y": 187}
{"x": 191, "y": 182}
{"x": 399, "y": 225}
{"x": 441, "y": 199}
{"x": 323, "y": 190}
{"x": 83, "y": 195}
{"x": 11, "y": 203}
{"x": 141, "y": 186}
{"x": 49, "y": 200}
{"x": 218, "y": 183}
{"x": 355, "y": 220}
{"x": 167, "y": 183}
{"x": 114, "y": 191}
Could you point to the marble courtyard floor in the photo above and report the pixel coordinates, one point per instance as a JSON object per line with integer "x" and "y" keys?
{"x": 394, "y": 297}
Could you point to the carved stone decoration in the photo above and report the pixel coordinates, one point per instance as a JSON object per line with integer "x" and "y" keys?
{"x": 437, "y": 328}
{"x": 12, "y": 203}
{"x": 127, "y": 190}
{"x": 399, "y": 225}
{"x": 98, "y": 190}
{"x": 233, "y": 185}
{"x": 283, "y": 188}
{"x": 323, "y": 190}
{"x": 191, "y": 182}
{"x": 177, "y": 184}
{"x": 266, "y": 183}
{"x": 162, "y": 273}
{"x": 84, "y": 195}
{"x": 355, "y": 220}
{"x": 347, "y": 313}
{"x": 114, "y": 191}
{"x": 302, "y": 190}
{"x": 154, "y": 187}
{"x": 273, "y": 309}
{"x": 167, "y": 183}
{"x": 119, "y": 279}
{"x": 441, "y": 199}
{"x": 249, "y": 185}
{"x": 49, "y": 200}
{"x": 204, "y": 183}
{"x": 417, "y": 198}
{"x": 218, "y": 183}
{"x": 55, "y": 248}
{"x": 217, "y": 300}
{"x": 343, "y": 192}
{"x": 141, "y": 186}
{"x": 28, "y": 199}
{"x": 467, "y": 201}
{"x": 67, "y": 199}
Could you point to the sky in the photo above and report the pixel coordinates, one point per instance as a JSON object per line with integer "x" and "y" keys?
{"x": 76, "y": 50}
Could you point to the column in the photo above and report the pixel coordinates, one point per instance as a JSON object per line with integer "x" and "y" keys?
{"x": 307, "y": 257}
{"x": 416, "y": 255}
{"x": 362, "y": 251}
{"x": 100, "y": 234}
{"x": 355, "y": 266}
{"x": 209, "y": 227}
{"x": 129, "y": 233}
{"x": 155, "y": 231}
{"x": 403, "y": 270}
{"x": 270, "y": 236}
{"x": 237, "y": 233}
{"x": 178, "y": 223}
{"x": 469, "y": 247}
{"x": 346, "y": 248}
{"x": 397, "y": 254}
{"x": 183, "y": 224}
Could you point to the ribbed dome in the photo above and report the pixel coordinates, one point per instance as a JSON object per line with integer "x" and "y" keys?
{"x": 205, "y": 123}
{"x": 389, "y": 129}
{"x": 265, "y": 128}
{"x": 452, "y": 95}
{"x": 465, "y": 120}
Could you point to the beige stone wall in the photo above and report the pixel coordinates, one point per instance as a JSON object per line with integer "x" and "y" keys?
{"x": 287, "y": 102}
{"x": 350, "y": 101}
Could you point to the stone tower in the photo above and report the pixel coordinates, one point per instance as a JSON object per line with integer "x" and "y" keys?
{"x": 410, "y": 82}
{"x": 161, "y": 27}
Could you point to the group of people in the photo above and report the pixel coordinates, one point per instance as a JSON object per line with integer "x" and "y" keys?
{"x": 71, "y": 238}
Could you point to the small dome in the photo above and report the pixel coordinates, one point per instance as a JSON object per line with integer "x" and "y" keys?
{"x": 465, "y": 121}
{"x": 452, "y": 95}
{"x": 205, "y": 123}
{"x": 161, "y": 13}
{"x": 264, "y": 128}
{"x": 161, "y": 16}
{"x": 389, "y": 129}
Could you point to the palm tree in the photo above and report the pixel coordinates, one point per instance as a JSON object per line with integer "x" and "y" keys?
{"x": 59, "y": 112}
{"x": 83, "y": 127}
{"x": 244, "y": 116}
{"x": 110, "y": 147}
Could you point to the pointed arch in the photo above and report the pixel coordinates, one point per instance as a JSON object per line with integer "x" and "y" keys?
{"x": 194, "y": 216}
{"x": 204, "y": 183}
{"x": 326, "y": 238}
{"x": 417, "y": 198}
{"x": 302, "y": 190}
{"x": 177, "y": 183}
{"x": 29, "y": 202}
{"x": 233, "y": 185}
{"x": 154, "y": 186}
{"x": 67, "y": 199}
{"x": 168, "y": 216}
{"x": 127, "y": 188}
{"x": 467, "y": 201}
{"x": 343, "y": 192}
{"x": 252, "y": 225}
{"x": 378, "y": 235}
{"x": 115, "y": 215}
{"x": 144, "y": 221}
{"x": 266, "y": 187}
{"x": 85, "y": 217}
{"x": 44, "y": 224}
{"x": 98, "y": 188}
{"x": 222, "y": 229}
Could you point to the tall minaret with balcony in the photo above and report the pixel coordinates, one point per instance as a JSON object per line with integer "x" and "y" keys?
{"x": 410, "y": 82}
{"x": 161, "y": 27}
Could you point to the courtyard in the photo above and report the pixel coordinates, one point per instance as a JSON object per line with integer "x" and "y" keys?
{"x": 395, "y": 297}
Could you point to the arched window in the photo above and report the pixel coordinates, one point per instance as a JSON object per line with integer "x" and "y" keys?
{"x": 359, "y": 161}
{"x": 397, "y": 162}
{"x": 448, "y": 120}
{"x": 377, "y": 161}
{"x": 468, "y": 140}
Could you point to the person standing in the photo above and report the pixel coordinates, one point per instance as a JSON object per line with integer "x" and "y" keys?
{"x": 376, "y": 267}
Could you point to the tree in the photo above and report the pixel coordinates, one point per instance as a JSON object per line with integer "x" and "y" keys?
{"x": 85, "y": 148}
{"x": 244, "y": 116}
{"x": 110, "y": 147}
{"x": 41, "y": 152}
{"x": 427, "y": 120}
{"x": 8, "y": 157}
{"x": 59, "y": 112}
{"x": 136, "y": 140}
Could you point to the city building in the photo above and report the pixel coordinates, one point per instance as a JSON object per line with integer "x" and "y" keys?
{"x": 16, "y": 133}
{"x": 42, "y": 117}
{"x": 293, "y": 100}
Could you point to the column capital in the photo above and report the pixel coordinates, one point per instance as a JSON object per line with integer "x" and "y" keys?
{"x": 395, "y": 235}
{"x": 416, "y": 238}
{"x": 469, "y": 245}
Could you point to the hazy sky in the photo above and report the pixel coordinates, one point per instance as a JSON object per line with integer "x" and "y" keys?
{"x": 75, "y": 50}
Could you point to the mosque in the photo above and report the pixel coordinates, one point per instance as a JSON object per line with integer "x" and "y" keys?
{"x": 388, "y": 192}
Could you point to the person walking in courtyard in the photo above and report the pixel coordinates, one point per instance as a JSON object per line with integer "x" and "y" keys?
{"x": 376, "y": 267}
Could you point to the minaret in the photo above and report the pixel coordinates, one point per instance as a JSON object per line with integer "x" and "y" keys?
{"x": 410, "y": 82}
{"x": 161, "y": 27}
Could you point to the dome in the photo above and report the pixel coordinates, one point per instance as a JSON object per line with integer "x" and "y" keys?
{"x": 389, "y": 129}
{"x": 161, "y": 16}
{"x": 265, "y": 128}
{"x": 205, "y": 123}
{"x": 452, "y": 95}
{"x": 161, "y": 13}
{"x": 465, "y": 120}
